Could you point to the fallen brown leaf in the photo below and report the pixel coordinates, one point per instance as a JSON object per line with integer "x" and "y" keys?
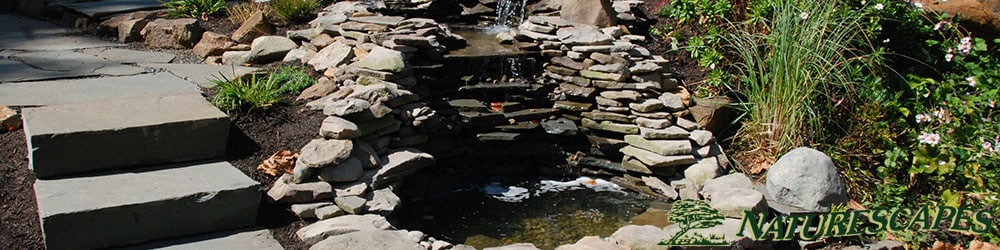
{"x": 281, "y": 162}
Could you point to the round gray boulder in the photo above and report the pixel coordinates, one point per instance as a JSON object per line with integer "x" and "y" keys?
{"x": 806, "y": 180}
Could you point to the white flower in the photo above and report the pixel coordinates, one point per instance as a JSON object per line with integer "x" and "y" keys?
{"x": 941, "y": 24}
{"x": 804, "y": 15}
{"x": 879, "y": 6}
{"x": 965, "y": 46}
{"x": 938, "y": 113}
{"x": 919, "y": 6}
{"x": 886, "y": 40}
{"x": 992, "y": 104}
{"x": 987, "y": 146}
{"x": 922, "y": 118}
{"x": 971, "y": 80}
{"x": 942, "y": 162}
{"x": 948, "y": 57}
{"x": 931, "y": 139}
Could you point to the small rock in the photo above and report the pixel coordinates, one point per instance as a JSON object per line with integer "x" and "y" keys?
{"x": 655, "y": 160}
{"x": 181, "y": 33}
{"x": 131, "y": 30}
{"x": 705, "y": 169}
{"x": 516, "y": 246}
{"x": 561, "y": 126}
{"x": 235, "y": 57}
{"x": 212, "y": 44}
{"x": 659, "y": 185}
{"x": 639, "y": 237}
{"x": 583, "y": 35}
{"x": 284, "y": 191}
{"x": 736, "y": 180}
{"x": 351, "y": 204}
{"x": 383, "y": 201}
{"x": 635, "y": 165}
{"x": 308, "y": 210}
{"x": 253, "y": 27}
{"x": 9, "y": 119}
{"x": 327, "y": 212}
{"x": 382, "y": 59}
{"x": 321, "y": 88}
{"x": 608, "y": 68}
{"x": 732, "y": 202}
{"x": 687, "y": 124}
{"x": 347, "y": 171}
{"x": 689, "y": 193}
{"x": 653, "y": 123}
{"x": 646, "y": 106}
{"x": 320, "y": 153}
{"x": 592, "y": 243}
{"x": 352, "y": 189}
{"x": 672, "y": 102}
{"x": 701, "y": 137}
{"x": 400, "y": 163}
{"x": 441, "y": 245}
{"x": 334, "y": 127}
{"x": 624, "y": 95}
{"x": 323, "y": 229}
{"x": 332, "y": 56}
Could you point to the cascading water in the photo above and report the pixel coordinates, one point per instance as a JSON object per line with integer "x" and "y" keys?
{"x": 510, "y": 12}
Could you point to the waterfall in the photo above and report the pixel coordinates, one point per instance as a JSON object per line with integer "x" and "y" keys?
{"x": 510, "y": 12}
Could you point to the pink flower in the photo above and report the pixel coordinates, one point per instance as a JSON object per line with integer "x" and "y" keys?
{"x": 931, "y": 139}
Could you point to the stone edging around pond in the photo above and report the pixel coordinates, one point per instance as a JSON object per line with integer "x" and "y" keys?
{"x": 375, "y": 120}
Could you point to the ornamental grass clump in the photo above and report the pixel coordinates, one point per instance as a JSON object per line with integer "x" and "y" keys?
{"x": 785, "y": 69}
{"x": 241, "y": 12}
{"x": 257, "y": 92}
{"x": 294, "y": 10}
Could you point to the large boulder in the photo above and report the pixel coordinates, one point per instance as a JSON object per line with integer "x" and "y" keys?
{"x": 599, "y": 13}
{"x": 181, "y": 33}
{"x": 805, "y": 179}
{"x": 983, "y": 15}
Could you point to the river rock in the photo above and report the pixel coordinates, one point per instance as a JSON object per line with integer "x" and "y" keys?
{"x": 320, "y": 153}
{"x": 661, "y": 147}
{"x": 255, "y": 26}
{"x": 400, "y": 163}
{"x": 380, "y": 239}
{"x": 382, "y": 59}
{"x": 332, "y": 56}
{"x": 732, "y": 202}
{"x": 735, "y": 180}
{"x": 639, "y": 237}
{"x": 327, "y": 212}
{"x": 285, "y": 191}
{"x": 705, "y": 169}
{"x": 806, "y": 178}
{"x": 347, "y": 171}
{"x": 181, "y": 33}
{"x": 308, "y": 210}
{"x": 599, "y": 13}
{"x": 351, "y": 204}
{"x": 212, "y": 44}
{"x": 583, "y": 35}
{"x": 320, "y": 230}
{"x": 592, "y": 243}
{"x": 338, "y": 128}
{"x": 383, "y": 201}
{"x": 267, "y": 49}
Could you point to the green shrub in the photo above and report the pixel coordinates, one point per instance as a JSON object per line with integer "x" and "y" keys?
{"x": 707, "y": 11}
{"x": 193, "y": 8}
{"x": 256, "y": 92}
{"x": 294, "y": 10}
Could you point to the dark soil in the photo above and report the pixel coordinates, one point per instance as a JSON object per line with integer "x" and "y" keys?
{"x": 19, "y": 226}
{"x": 687, "y": 69}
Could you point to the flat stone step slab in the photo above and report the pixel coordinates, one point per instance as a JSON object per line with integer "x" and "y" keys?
{"x": 256, "y": 239}
{"x": 203, "y": 74}
{"x": 120, "y": 133}
{"x": 110, "y": 7}
{"x": 93, "y": 89}
{"x": 125, "y": 208}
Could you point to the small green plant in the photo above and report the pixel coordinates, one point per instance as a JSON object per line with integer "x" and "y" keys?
{"x": 241, "y": 12}
{"x": 706, "y": 11}
{"x": 259, "y": 92}
{"x": 294, "y": 10}
{"x": 193, "y": 8}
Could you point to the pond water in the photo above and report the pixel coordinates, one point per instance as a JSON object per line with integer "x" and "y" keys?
{"x": 547, "y": 213}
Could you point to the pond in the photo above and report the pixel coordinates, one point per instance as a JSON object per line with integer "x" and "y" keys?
{"x": 545, "y": 212}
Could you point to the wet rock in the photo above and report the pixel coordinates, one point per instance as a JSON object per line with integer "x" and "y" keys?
{"x": 285, "y": 191}
{"x": 705, "y": 169}
{"x": 735, "y": 180}
{"x": 383, "y": 201}
{"x": 400, "y": 163}
{"x": 253, "y": 27}
{"x": 181, "y": 33}
{"x": 655, "y": 160}
{"x": 319, "y": 153}
{"x": 561, "y": 126}
{"x": 639, "y": 237}
{"x": 334, "y": 127}
{"x": 732, "y": 202}
{"x": 267, "y": 49}
{"x": 332, "y": 56}
{"x": 308, "y": 210}
{"x": 212, "y": 44}
{"x": 661, "y": 147}
{"x": 327, "y": 212}
{"x": 320, "y": 230}
{"x": 806, "y": 178}
{"x": 351, "y": 204}
{"x": 347, "y": 171}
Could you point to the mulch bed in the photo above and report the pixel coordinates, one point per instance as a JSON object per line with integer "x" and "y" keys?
{"x": 19, "y": 225}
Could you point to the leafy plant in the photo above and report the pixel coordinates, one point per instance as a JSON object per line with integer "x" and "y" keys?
{"x": 241, "y": 12}
{"x": 259, "y": 92}
{"x": 706, "y": 11}
{"x": 294, "y": 10}
{"x": 193, "y": 8}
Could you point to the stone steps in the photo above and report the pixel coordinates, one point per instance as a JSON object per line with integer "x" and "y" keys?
{"x": 257, "y": 239}
{"x": 122, "y": 208}
{"x": 123, "y": 133}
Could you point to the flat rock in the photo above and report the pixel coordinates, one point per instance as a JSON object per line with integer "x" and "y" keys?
{"x": 382, "y": 59}
{"x": 701, "y": 138}
{"x": 44, "y": 65}
{"x": 468, "y": 105}
{"x": 661, "y": 147}
{"x": 390, "y": 21}
{"x": 610, "y": 126}
{"x": 602, "y": 75}
{"x": 134, "y": 56}
{"x": 286, "y": 191}
{"x": 639, "y": 237}
{"x": 624, "y": 95}
{"x": 515, "y": 246}
{"x": 607, "y": 116}
{"x": 240, "y": 239}
{"x": 400, "y": 163}
{"x": 110, "y": 7}
{"x": 92, "y": 89}
{"x": 320, "y": 230}
{"x": 351, "y": 204}
{"x": 327, "y": 212}
{"x": 345, "y": 107}
{"x": 334, "y": 127}
{"x": 672, "y": 132}
{"x": 332, "y": 56}
{"x": 202, "y": 74}
{"x": 123, "y": 208}
{"x": 583, "y": 35}
{"x": 592, "y": 243}
{"x": 635, "y": 165}
{"x": 656, "y": 161}
{"x": 383, "y": 201}
{"x": 347, "y": 171}
{"x": 308, "y": 210}
{"x": 352, "y": 189}
{"x": 732, "y": 202}
{"x": 91, "y": 136}
{"x": 499, "y": 136}
{"x": 652, "y": 123}
{"x": 20, "y": 41}
{"x": 267, "y": 49}
{"x": 659, "y": 185}
{"x": 646, "y": 106}
{"x": 735, "y": 180}
{"x": 379, "y": 239}
{"x": 561, "y": 126}
{"x": 320, "y": 153}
